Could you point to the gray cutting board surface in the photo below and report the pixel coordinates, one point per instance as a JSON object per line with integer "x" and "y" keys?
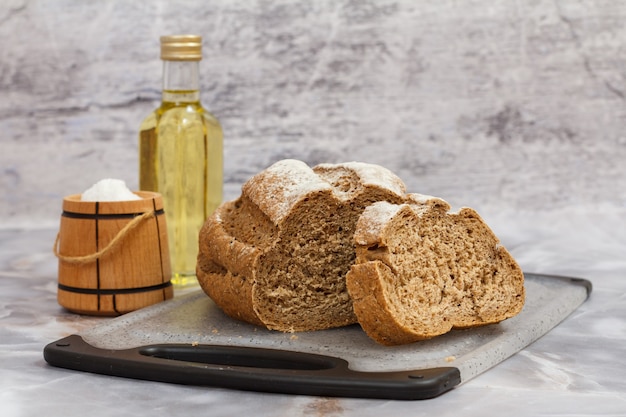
{"x": 194, "y": 319}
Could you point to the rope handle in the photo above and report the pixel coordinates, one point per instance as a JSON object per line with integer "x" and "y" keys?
{"x": 85, "y": 259}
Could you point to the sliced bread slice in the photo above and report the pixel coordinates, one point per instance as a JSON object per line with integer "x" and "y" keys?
{"x": 421, "y": 271}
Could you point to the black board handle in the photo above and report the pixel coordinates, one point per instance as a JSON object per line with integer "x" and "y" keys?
{"x": 249, "y": 368}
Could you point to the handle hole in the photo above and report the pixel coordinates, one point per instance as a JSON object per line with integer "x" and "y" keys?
{"x": 240, "y": 356}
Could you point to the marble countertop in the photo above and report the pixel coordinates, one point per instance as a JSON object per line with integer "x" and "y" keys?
{"x": 576, "y": 369}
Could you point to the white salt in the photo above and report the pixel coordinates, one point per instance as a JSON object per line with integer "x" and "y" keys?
{"x": 109, "y": 189}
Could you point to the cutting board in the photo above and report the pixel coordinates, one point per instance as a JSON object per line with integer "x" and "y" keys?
{"x": 188, "y": 340}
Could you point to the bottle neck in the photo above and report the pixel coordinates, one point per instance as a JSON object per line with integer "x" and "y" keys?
{"x": 181, "y": 81}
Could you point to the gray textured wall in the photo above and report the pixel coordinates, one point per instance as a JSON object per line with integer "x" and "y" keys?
{"x": 487, "y": 103}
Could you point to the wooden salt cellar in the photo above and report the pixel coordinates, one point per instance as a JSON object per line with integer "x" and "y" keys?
{"x": 105, "y": 269}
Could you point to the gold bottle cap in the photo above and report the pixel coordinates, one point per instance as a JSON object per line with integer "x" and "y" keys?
{"x": 181, "y": 48}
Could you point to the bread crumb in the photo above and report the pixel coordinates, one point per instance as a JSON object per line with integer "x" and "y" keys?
{"x": 294, "y": 337}
{"x": 215, "y": 331}
{"x": 195, "y": 343}
{"x": 450, "y": 358}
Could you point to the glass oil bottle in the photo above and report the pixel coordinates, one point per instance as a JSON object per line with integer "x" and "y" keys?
{"x": 181, "y": 154}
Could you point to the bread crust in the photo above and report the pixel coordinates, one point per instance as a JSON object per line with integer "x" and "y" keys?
{"x": 225, "y": 267}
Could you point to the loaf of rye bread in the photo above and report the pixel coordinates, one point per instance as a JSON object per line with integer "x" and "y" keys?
{"x": 278, "y": 255}
{"x": 421, "y": 270}
{"x": 307, "y": 248}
